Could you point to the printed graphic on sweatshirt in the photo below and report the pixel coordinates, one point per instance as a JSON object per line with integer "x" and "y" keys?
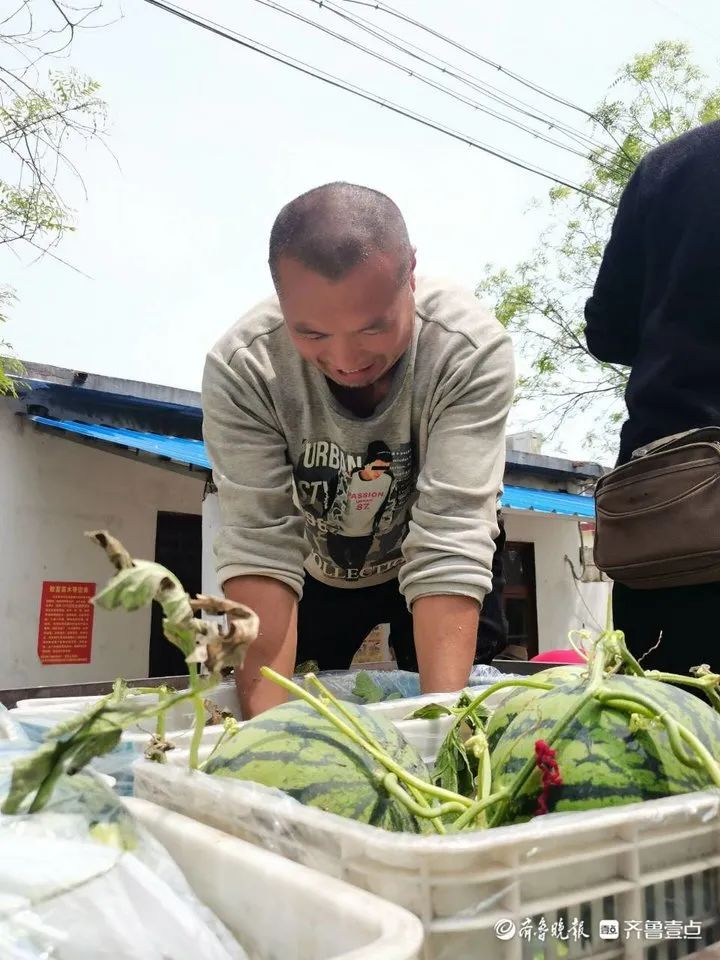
{"x": 355, "y": 506}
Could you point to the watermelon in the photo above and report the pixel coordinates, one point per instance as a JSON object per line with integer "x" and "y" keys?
{"x": 517, "y": 699}
{"x": 297, "y": 750}
{"x": 601, "y": 761}
{"x": 561, "y": 674}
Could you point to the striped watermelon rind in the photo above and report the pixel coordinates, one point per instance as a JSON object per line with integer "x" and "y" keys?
{"x": 602, "y": 761}
{"x": 295, "y": 749}
{"x": 517, "y": 699}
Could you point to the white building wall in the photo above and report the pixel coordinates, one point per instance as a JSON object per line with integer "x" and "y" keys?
{"x": 562, "y": 603}
{"x": 210, "y": 527}
{"x": 51, "y": 491}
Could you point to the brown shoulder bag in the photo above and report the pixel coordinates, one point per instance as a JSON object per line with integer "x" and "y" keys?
{"x": 658, "y": 516}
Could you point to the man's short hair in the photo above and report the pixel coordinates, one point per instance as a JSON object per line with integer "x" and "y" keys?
{"x": 378, "y": 450}
{"x": 334, "y": 228}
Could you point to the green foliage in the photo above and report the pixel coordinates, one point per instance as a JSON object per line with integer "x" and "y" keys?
{"x": 9, "y": 365}
{"x": 43, "y": 117}
{"x": 368, "y": 691}
{"x": 36, "y": 127}
{"x": 654, "y": 98}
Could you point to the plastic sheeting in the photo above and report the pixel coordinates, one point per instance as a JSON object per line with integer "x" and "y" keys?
{"x": 118, "y": 764}
{"x": 600, "y": 864}
{"x": 81, "y": 880}
{"x": 395, "y": 683}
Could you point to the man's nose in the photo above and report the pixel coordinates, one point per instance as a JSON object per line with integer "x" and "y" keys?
{"x": 345, "y": 354}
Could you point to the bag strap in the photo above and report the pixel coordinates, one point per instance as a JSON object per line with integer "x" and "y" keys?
{"x": 677, "y": 440}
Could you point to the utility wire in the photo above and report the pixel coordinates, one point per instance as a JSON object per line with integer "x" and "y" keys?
{"x": 336, "y": 82}
{"x": 530, "y": 84}
{"x": 463, "y": 76}
{"x": 454, "y": 94}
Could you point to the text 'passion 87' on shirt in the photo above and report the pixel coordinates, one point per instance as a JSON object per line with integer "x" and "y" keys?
{"x": 411, "y": 491}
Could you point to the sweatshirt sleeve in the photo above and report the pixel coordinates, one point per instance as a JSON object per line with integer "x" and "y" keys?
{"x": 449, "y": 546}
{"x": 262, "y": 532}
{"x": 612, "y": 312}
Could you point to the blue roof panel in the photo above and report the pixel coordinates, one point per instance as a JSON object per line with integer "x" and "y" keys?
{"x": 548, "y": 501}
{"x": 192, "y": 452}
{"x": 177, "y": 449}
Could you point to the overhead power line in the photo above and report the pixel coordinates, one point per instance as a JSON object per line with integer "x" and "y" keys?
{"x": 300, "y": 66}
{"x": 442, "y": 88}
{"x": 518, "y": 78}
{"x": 530, "y": 84}
{"x": 402, "y": 45}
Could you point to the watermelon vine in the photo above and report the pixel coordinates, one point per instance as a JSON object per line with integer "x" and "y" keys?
{"x": 537, "y": 751}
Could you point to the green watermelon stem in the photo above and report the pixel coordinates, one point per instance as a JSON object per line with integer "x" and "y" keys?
{"x": 230, "y": 727}
{"x": 629, "y": 662}
{"x": 393, "y": 786}
{"x": 707, "y": 682}
{"x": 417, "y": 795}
{"x": 602, "y": 653}
{"x": 675, "y": 736}
{"x": 500, "y": 685}
{"x": 530, "y": 766}
{"x": 676, "y": 732}
{"x": 407, "y": 778}
{"x": 199, "y": 725}
{"x": 469, "y": 818}
{"x": 162, "y": 694}
{"x": 614, "y": 701}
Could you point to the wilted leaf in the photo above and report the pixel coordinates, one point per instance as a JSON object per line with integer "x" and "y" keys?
{"x": 431, "y": 711}
{"x": 221, "y": 648}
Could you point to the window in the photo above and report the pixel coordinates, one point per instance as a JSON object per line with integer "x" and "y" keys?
{"x": 519, "y": 596}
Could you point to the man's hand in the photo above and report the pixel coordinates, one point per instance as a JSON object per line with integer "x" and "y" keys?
{"x": 275, "y": 646}
{"x": 445, "y": 629}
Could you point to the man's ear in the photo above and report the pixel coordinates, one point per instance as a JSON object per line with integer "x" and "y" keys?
{"x": 413, "y": 265}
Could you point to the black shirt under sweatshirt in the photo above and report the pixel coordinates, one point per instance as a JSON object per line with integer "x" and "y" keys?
{"x": 656, "y": 302}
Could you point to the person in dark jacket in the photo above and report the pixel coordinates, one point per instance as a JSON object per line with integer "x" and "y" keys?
{"x": 655, "y": 309}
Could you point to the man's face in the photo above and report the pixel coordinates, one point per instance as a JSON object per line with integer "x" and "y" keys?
{"x": 374, "y": 470}
{"x": 354, "y": 330}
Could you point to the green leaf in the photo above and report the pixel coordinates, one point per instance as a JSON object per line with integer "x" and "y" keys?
{"x": 454, "y": 769}
{"x": 431, "y": 711}
{"x": 366, "y": 689}
{"x": 28, "y": 775}
{"x": 307, "y": 666}
{"x": 35, "y": 777}
{"x": 137, "y": 586}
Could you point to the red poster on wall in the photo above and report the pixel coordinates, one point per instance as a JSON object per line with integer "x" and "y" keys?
{"x": 66, "y": 622}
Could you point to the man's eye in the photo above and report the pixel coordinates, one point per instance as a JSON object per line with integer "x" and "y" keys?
{"x": 313, "y": 336}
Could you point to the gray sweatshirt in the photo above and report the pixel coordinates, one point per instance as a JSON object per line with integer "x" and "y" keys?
{"x": 299, "y": 483}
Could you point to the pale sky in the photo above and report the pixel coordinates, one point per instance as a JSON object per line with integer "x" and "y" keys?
{"x": 211, "y": 140}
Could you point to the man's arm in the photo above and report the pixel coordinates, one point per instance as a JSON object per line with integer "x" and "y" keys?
{"x": 445, "y": 631}
{"x": 613, "y": 311}
{"x": 450, "y": 542}
{"x": 260, "y": 546}
{"x": 275, "y": 646}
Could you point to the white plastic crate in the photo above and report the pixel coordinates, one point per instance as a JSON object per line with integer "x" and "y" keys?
{"x": 426, "y": 736}
{"x": 654, "y": 861}
{"x": 276, "y": 909}
{"x": 36, "y": 721}
{"x": 179, "y": 718}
